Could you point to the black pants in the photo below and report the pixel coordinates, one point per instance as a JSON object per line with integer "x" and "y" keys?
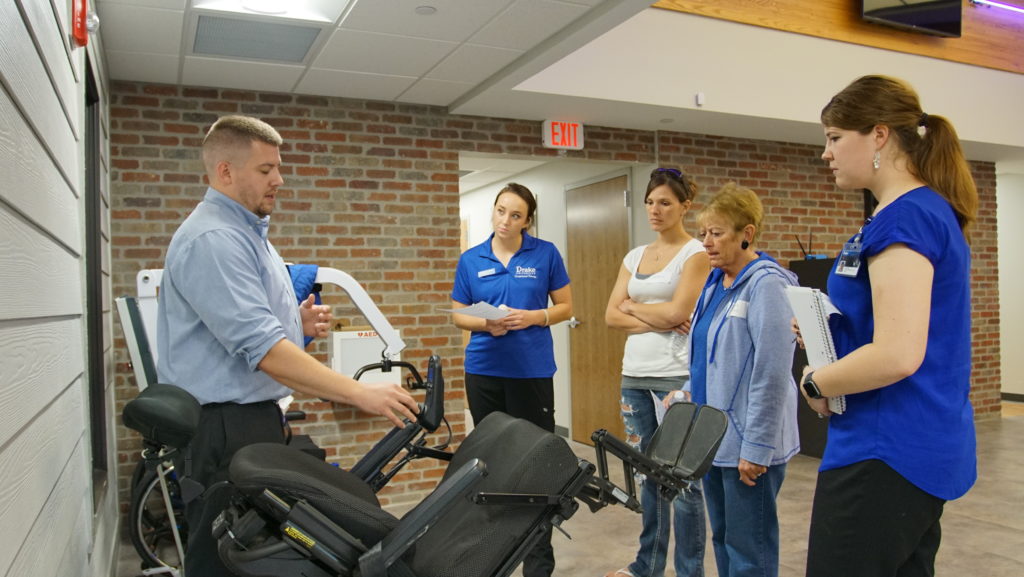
{"x": 534, "y": 401}
{"x": 224, "y": 428}
{"x": 869, "y": 521}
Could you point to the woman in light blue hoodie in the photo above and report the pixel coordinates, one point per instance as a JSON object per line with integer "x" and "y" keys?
{"x": 741, "y": 359}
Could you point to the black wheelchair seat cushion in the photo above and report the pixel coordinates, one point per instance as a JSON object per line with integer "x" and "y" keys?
{"x": 163, "y": 414}
{"x": 471, "y": 539}
{"x": 293, "y": 475}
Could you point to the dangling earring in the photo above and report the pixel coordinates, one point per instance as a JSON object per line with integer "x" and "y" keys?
{"x": 877, "y": 162}
{"x": 745, "y": 245}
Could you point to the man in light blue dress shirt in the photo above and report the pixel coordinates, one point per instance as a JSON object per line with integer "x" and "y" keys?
{"x": 229, "y": 331}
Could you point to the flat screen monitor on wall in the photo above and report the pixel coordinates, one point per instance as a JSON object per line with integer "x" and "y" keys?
{"x": 937, "y": 17}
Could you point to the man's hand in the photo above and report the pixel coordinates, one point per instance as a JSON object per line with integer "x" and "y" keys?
{"x": 388, "y": 400}
{"x": 316, "y": 319}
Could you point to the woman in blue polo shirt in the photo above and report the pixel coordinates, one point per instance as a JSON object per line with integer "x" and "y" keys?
{"x": 510, "y": 362}
{"x": 905, "y": 443}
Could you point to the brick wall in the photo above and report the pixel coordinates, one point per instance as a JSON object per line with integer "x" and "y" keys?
{"x": 372, "y": 189}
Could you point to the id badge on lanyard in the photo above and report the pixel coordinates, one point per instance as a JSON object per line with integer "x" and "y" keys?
{"x": 849, "y": 259}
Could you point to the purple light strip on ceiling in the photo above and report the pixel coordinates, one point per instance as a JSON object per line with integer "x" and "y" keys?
{"x": 1016, "y": 9}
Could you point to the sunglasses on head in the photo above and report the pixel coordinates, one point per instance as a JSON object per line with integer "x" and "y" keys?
{"x": 674, "y": 172}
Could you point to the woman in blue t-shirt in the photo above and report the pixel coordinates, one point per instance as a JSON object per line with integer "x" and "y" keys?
{"x": 905, "y": 443}
{"x": 510, "y": 362}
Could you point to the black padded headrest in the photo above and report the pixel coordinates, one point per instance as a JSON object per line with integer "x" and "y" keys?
{"x": 164, "y": 414}
{"x": 292, "y": 475}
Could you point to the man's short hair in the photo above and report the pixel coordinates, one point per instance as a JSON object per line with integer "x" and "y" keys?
{"x": 235, "y": 133}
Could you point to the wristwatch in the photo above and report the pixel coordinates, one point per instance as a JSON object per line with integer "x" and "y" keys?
{"x": 810, "y": 387}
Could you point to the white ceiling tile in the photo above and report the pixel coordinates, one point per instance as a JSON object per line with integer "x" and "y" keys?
{"x": 141, "y": 67}
{"x": 472, "y": 63}
{"x": 353, "y": 84}
{"x": 140, "y": 29}
{"x": 455, "y": 20}
{"x": 527, "y": 23}
{"x": 238, "y": 74}
{"x": 435, "y": 92}
{"x": 370, "y": 52}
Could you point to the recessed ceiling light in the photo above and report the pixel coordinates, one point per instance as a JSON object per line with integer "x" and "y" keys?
{"x": 425, "y": 10}
{"x": 666, "y": 121}
{"x": 266, "y": 6}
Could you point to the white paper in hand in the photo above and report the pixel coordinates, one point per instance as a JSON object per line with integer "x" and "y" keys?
{"x": 480, "y": 310}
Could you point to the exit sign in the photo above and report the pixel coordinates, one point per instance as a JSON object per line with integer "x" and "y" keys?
{"x": 562, "y": 134}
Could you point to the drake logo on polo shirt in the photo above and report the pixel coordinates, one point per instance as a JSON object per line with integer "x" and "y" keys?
{"x": 526, "y": 272}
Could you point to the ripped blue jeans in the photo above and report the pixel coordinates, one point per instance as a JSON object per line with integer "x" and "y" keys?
{"x": 638, "y": 413}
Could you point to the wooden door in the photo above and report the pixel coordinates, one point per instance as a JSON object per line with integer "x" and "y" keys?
{"x": 597, "y": 221}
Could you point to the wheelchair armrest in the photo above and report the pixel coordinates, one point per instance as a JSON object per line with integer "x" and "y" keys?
{"x": 432, "y": 411}
{"x": 681, "y": 450}
{"x": 163, "y": 414}
{"x": 369, "y": 467}
{"x": 376, "y": 561}
{"x": 634, "y": 459}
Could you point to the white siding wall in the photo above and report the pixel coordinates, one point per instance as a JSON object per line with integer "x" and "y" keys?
{"x": 54, "y": 518}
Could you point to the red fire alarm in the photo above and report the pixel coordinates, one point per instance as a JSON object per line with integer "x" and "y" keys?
{"x": 79, "y": 30}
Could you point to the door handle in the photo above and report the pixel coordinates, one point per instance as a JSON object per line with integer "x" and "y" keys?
{"x": 573, "y": 323}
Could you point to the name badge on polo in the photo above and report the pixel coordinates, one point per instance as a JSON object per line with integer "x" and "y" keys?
{"x": 484, "y": 273}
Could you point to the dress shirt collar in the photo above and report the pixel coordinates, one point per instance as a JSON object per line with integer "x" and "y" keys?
{"x": 260, "y": 226}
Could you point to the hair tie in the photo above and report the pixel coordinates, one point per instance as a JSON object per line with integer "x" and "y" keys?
{"x": 923, "y": 121}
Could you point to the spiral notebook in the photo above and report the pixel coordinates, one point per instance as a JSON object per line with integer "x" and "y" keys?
{"x": 812, "y": 309}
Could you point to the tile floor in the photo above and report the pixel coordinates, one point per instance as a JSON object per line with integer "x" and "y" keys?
{"x": 983, "y": 532}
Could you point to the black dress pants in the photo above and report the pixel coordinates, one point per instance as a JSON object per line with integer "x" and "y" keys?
{"x": 224, "y": 428}
{"x": 534, "y": 401}
{"x": 869, "y": 521}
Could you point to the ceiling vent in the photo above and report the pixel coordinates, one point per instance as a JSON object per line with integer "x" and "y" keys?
{"x": 253, "y": 40}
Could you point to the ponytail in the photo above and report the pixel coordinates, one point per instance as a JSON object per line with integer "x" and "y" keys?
{"x": 939, "y": 161}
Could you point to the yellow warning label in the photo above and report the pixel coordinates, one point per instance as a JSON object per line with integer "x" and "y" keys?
{"x": 300, "y": 537}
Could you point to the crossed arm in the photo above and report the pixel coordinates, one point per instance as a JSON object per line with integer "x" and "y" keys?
{"x": 632, "y": 317}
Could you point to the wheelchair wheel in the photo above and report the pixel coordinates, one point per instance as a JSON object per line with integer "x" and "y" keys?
{"x": 150, "y": 525}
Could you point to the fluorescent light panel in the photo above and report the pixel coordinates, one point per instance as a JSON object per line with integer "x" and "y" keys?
{"x": 322, "y": 11}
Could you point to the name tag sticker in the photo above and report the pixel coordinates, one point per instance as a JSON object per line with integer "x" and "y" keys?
{"x": 484, "y": 273}
{"x": 739, "y": 309}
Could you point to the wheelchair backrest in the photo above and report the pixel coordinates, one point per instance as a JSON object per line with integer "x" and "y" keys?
{"x": 474, "y": 539}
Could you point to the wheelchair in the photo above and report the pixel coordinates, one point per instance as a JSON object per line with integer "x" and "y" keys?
{"x": 167, "y": 416}
{"x": 507, "y": 483}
